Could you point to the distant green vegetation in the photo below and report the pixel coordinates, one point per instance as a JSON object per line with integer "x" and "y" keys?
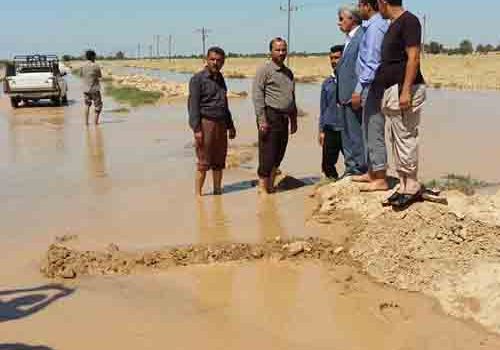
{"x": 132, "y": 95}
{"x": 462, "y": 183}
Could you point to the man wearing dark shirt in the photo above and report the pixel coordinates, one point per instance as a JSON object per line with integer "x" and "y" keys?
{"x": 330, "y": 120}
{"x": 404, "y": 94}
{"x": 210, "y": 120}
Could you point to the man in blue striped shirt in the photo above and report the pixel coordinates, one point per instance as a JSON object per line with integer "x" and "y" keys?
{"x": 369, "y": 98}
{"x": 330, "y": 120}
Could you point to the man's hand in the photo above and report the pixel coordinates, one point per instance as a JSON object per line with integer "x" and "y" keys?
{"x": 405, "y": 100}
{"x": 232, "y": 133}
{"x": 321, "y": 138}
{"x": 263, "y": 127}
{"x": 356, "y": 101}
{"x": 293, "y": 126}
{"x": 198, "y": 138}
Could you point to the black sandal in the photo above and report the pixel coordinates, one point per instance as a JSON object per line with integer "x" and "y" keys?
{"x": 406, "y": 200}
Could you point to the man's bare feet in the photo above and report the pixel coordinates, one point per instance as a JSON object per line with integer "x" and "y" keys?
{"x": 361, "y": 178}
{"x": 374, "y": 186}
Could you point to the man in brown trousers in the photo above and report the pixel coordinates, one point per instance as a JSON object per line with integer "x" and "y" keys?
{"x": 274, "y": 102}
{"x": 210, "y": 120}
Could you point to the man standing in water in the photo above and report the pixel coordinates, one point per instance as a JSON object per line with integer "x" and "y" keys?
{"x": 276, "y": 111}
{"x": 91, "y": 74}
{"x": 210, "y": 120}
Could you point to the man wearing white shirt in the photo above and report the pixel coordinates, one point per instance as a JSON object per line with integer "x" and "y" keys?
{"x": 352, "y": 134}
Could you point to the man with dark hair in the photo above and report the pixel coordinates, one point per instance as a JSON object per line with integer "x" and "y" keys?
{"x": 91, "y": 74}
{"x": 330, "y": 123}
{"x": 352, "y": 135}
{"x": 370, "y": 98}
{"x": 210, "y": 120}
{"x": 399, "y": 74}
{"x": 275, "y": 108}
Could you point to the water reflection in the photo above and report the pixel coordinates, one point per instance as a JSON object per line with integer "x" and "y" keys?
{"x": 96, "y": 161}
{"x": 212, "y": 228}
{"x": 268, "y": 217}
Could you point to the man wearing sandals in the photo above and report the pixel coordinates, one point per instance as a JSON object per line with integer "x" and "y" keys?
{"x": 404, "y": 94}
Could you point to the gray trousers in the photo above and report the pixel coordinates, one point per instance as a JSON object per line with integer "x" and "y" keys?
{"x": 374, "y": 129}
{"x": 352, "y": 141}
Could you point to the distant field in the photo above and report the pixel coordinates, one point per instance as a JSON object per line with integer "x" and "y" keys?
{"x": 473, "y": 72}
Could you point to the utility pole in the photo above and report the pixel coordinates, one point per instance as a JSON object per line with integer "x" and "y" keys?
{"x": 158, "y": 45}
{"x": 289, "y": 9}
{"x": 424, "y": 36}
{"x": 170, "y": 47}
{"x": 139, "y": 51}
{"x": 204, "y": 34}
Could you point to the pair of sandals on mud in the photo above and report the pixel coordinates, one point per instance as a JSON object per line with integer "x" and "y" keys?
{"x": 402, "y": 201}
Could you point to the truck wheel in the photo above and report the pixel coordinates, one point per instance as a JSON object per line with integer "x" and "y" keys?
{"x": 64, "y": 100}
{"x": 14, "y": 102}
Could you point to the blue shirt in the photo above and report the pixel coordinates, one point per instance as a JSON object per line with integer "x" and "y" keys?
{"x": 329, "y": 115}
{"x": 370, "y": 50}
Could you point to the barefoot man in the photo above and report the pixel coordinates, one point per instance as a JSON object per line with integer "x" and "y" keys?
{"x": 370, "y": 97}
{"x": 210, "y": 120}
{"x": 275, "y": 108}
{"x": 91, "y": 75}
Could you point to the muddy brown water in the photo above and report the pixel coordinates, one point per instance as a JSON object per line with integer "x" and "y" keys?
{"x": 129, "y": 181}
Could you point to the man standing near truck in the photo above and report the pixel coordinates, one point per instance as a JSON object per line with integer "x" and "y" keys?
{"x": 91, "y": 75}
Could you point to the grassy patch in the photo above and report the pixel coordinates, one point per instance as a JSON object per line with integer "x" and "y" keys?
{"x": 132, "y": 95}
{"x": 462, "y": 183}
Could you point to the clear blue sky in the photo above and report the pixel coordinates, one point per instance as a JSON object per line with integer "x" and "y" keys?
{"x": 239, "y": 26}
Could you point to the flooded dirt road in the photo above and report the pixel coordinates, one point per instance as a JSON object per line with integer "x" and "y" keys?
{"x": 129, "y": 181}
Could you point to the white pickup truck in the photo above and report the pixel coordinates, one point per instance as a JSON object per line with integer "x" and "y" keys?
{"x": 36, "y": 77}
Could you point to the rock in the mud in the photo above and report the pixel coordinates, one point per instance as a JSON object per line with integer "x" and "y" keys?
{"x": 68, "y": 273}
{"x": 113, "y": 248}
{"x": 339, "y": 250}
{"x": 296, "y": 248}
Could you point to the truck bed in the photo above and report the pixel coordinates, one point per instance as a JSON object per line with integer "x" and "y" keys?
{"x": 32, "y": 82}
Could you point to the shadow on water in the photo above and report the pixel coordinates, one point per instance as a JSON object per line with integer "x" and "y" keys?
{"x": 287, "y": 183}
{"x": 21, "y": 303}
{"x": 18, "y": 346}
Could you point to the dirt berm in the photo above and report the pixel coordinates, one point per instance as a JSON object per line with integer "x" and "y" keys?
{"x": 449, "y": 252}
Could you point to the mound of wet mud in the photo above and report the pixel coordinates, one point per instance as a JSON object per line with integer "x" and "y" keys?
{"x": 449, "y": 252}
{"x": 64, "y": 261}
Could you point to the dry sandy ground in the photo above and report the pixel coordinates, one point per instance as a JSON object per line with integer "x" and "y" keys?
{"x": 472, "y": 72}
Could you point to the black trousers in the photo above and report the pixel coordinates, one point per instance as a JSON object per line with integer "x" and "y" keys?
{"x": 332, "y": 146}
{"x": 273, "y": 143}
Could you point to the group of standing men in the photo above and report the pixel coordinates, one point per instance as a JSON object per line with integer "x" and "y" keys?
{"x": 376, "y": 79}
